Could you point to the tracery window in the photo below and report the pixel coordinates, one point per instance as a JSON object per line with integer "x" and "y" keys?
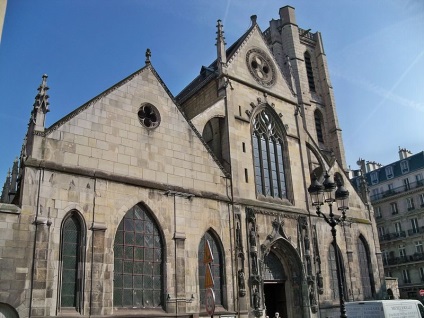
{"x": 217, "y": 268}
{"x": 138, "y": 256}
{"x": 268, "y": 155}
{"x": 365, "y": 268}
{"x": 72, "y": 257}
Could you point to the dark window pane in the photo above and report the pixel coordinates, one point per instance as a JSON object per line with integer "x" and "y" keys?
{"x": 71, "y": 233}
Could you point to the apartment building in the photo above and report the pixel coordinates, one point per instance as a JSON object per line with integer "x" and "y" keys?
{"x": 396, "y": 192}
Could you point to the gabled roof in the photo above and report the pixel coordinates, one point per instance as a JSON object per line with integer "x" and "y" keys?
{"x": 80, "y": 109}
{"x": 209, "y": 73}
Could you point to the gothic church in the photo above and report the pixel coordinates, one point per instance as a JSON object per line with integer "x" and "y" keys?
{"x": 107, "y": 211}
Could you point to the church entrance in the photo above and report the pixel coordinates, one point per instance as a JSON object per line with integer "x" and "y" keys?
{"x": 275, "y": 299}
{"x": 274, "y": 286}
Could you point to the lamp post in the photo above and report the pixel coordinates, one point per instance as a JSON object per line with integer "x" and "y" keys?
{"x": 324, "y": 193}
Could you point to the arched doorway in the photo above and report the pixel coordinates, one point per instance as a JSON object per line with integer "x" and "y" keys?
{"x": 274, "y": 286}
{"x": 283, "y": 280}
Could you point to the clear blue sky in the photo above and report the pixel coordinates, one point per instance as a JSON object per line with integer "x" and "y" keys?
{"x": 375, "y": 52}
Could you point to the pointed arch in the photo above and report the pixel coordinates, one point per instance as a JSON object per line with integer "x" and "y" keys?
{"x": 138, "y": 261}
{"x": 213, "y": 134}
{"x": 332, "y": 267}
{"x": 319, "y": 125}
{"x": 365, "y": 268}
{"x": 284, "y": 278}
{"x": 72, "y": 260}
{"x": 270, "y": 154}
{"x": 309, "y": 71}
{"x": 7, "y": 311}
{"x": 217, "y": 267}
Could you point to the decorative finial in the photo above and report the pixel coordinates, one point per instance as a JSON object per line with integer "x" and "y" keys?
{"x": 148, "y": 55}
{"x": 220, "y": 33}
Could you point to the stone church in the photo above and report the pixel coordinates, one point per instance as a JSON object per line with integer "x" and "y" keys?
{"x": 114, "y": 210}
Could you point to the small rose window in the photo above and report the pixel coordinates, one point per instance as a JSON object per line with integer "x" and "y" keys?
{"x": 149, "y": 116}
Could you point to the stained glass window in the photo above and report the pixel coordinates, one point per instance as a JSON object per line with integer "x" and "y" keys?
{"x": 216, "y": 268}
{"x": 71, "y": 238}
{"x": 268, "y": 159}
{"x": 138, "y": 259}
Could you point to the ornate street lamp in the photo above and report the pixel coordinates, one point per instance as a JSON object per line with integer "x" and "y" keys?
{"x": 324, "y": 193}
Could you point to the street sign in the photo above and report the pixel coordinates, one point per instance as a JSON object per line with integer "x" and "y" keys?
{"x": 422, "y": 292}
{"x": 207, "y": 253}
{"x": 208, "y": 277}
{"x": 210, "y": 301}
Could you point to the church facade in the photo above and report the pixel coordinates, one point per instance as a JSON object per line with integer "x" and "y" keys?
{"x": 137, "y": 201}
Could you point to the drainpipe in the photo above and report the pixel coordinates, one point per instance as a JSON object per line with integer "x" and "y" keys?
{"x": 35, "y": 242}
{"x": 92, "y": 250}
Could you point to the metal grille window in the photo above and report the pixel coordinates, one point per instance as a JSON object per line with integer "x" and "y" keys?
{"x": 138, "y": 251}
{"x": 318, "y": 126}
{"x": 71, "y": 251}
{"x": 309, "y": 71}
{"x": 217, "y": 268}
{"x": 268, "y": 151}
{"x": 365, "y": 269}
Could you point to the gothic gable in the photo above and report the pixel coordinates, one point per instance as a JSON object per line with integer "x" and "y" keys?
{"x": 253, "y": 63}
{"x": 136, "y": 130}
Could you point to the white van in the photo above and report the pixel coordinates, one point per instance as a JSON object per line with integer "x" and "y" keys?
{"x": 400, "y": 308}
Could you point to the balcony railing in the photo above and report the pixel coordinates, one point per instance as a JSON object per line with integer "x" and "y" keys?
{"x": 404, "y": 259}
{"x": 393, "y": 236}
{"x": 415, "y": 231}
{"x": 394, "y": 191}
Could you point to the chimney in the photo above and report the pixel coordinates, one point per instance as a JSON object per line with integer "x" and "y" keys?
{"x": 404, "y": 153}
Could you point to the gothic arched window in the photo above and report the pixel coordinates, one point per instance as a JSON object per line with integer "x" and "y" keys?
{"x": 268, "y": 155}
{"x": 365, "y": 268}
{"x": 72, "y": 260}
{"x": 309, "y": 72}
{"x": 138, "y": 256}
{"x": 217, "y": 268}
{"x": 318, "y": 125}
{"x": 332, "y": 265}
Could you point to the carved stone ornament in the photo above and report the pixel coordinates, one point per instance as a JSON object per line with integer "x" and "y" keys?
{"x": 261, "y": 67}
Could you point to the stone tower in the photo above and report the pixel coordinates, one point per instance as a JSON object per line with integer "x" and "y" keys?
{"x": 301, "y": 56}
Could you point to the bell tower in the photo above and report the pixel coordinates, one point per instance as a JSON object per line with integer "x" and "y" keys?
{"x": 301, "y": 56}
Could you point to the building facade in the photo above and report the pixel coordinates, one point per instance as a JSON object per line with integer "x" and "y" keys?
{"x": 108, "y": 211}
{"x": 396, "y": 192}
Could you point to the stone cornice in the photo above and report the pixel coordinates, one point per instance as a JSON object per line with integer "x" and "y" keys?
{"x": 132, "y": 181}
